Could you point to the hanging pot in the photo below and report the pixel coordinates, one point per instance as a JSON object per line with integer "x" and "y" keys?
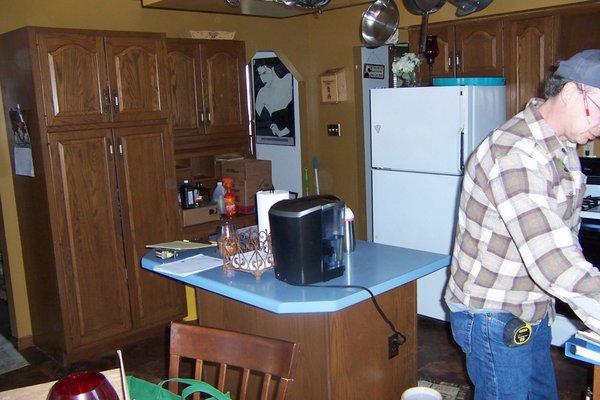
{"x": 466, "y": 7}
{"x": 379, "y": 22}
{"x": 424, "y": 8}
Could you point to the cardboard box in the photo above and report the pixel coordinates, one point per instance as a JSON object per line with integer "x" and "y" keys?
{"x": 247, "y": 169}
{"x": 200, "y": 215}
{"x": 245, "y": 193}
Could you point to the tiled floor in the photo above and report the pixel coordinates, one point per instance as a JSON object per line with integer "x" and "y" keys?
{"x": 440, "y": 359}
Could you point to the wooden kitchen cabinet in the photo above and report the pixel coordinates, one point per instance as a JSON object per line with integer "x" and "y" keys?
{"x": 478, "y": 48}
{"x": 73, "y": 77}
{"x": 96, "y": 105}
{"x": 144, "y": 164}
{"x": 135, "y": 74}
{"x": 93, "y": 265}
{"x": 529, "y": 50}
{"x": 207, "y": 86}
{"x": 468, "y": 48}
{"x": 90, "y": 78}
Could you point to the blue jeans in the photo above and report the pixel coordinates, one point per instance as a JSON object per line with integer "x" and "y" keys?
{"x": 500, "y": 372}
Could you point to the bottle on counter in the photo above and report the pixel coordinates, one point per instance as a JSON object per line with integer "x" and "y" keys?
{"x": 229, "y": 198}
{"x": 349, "y": 239}
{"x": 196, "y": 195}
{"x": 218, "y": 196}
{"x": 202, "y": 194}
{"x": 186, "y": 195}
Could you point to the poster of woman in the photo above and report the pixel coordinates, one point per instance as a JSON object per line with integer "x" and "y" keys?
{"x": 273, "y": 102}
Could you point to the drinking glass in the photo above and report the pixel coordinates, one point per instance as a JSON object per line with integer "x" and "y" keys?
{"x": 228, "y": 238}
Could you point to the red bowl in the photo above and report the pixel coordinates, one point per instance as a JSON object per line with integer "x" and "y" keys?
{"x": 86, "y": 385}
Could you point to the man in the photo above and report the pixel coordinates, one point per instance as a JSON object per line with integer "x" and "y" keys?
{"x": 516, "y": 245}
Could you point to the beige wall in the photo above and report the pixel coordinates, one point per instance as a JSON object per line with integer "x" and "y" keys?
{"x": 313, "y": 44}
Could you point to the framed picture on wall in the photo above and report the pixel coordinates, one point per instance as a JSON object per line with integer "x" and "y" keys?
{"x": 273, "y": 102}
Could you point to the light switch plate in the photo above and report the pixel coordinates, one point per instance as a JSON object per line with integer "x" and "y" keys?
{"x": 333, "y": 129}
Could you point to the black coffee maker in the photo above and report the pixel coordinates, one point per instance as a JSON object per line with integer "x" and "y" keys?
{"x": 307, "y": 239}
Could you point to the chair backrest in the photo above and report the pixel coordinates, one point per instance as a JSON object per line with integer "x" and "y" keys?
{"x": 274, "y": 358}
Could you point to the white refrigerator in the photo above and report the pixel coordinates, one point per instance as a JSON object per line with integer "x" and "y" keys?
{"x": 420, "y": 140}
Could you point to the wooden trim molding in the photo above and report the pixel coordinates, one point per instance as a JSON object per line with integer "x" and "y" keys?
{"x": 25, "y": 342}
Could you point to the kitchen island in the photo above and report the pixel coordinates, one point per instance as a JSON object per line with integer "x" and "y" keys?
{"x": 343, "y": 340}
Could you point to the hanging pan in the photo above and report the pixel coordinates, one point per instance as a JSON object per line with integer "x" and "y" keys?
{"x": 466, "y": 7}
{"x": 379, "y": 22}
{"x": 423, "y": 7}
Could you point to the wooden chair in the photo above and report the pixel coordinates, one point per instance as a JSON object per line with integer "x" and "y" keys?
{"x": 274, "y": 358}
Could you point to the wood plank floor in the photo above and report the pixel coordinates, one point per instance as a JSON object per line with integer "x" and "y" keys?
{"x": 439, "y": 359}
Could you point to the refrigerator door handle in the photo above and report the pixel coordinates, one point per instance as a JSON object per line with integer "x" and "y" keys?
{"x": 462, "y": 150}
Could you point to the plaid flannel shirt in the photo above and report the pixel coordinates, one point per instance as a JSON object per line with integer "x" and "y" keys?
{"x": 516, "y": 240}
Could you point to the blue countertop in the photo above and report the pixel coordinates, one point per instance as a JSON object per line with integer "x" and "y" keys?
{"x": 376, "y": 266}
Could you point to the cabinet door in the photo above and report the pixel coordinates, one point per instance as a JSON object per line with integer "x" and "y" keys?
{"x": 73, "y": 75}
{"x": 579, "y": 29}
{"x": 529, "y": 58}
{"x": 136, "y": 74}
{"x": 92, "y": 276}
{"x": 149, "y": 205}
{"x": 185, "y": 87}
{"x": 444, "y": 62}
{"x": 224, "y": 86}
{"x": 479, "y": 48}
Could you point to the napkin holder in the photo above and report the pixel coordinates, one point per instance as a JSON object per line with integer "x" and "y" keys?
{"x": 248, "y": 251}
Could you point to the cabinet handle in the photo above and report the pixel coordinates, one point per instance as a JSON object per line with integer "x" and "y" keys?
{"x": 110, "y": 149}
{"x": 116, "y": 104}
{"x": 462, "y": 150}
{"x": 457, "y": 59}
{"x": 201, "y": 116}
{"x": 450, "y": 62}
{"x": 208, "y": 116}
{"x": 120, "y": 144}
{"x": 105, "y": 100}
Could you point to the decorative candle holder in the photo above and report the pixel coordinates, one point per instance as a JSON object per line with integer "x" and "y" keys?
{"x": 247, "y": 251}
{"x": 431, "y": 52}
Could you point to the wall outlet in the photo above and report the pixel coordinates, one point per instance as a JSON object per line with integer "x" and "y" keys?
{"x": 333, "y": 129}
{"x": 393, "y": 345}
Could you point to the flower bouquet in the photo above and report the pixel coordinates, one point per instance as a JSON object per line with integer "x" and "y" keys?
{"x": 405, "y": 69}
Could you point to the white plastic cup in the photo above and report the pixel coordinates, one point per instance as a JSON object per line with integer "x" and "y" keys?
{"x": 421, "y": 393}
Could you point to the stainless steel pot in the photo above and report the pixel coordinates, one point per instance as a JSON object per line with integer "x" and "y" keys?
{"x": 379, "y": 22}
{"x": 424, "y": 8}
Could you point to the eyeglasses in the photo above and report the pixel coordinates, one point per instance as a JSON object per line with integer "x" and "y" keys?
{"x": 586, "y": 104}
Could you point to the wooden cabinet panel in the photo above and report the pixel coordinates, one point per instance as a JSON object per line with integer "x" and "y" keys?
{"x": 579, "y": 30}
{"x": 148, "y": 202}
{"x": 73, "y": 76}
{"x": 224, "y": 86}
{"x": 479, "y": 48}
{"x": 465, "y": 49}
{"x": 135, "y": 66}
{"x": 529, "y": 59}
{"x": 444, "y": 62}
{"x": 185, "y": 86}
{"x": 93, "y": 282}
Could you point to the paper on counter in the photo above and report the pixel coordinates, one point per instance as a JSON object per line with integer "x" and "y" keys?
{"x": 190, "y": 265}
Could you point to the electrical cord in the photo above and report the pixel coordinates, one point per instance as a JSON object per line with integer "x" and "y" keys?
{"x": 401, "y": 338}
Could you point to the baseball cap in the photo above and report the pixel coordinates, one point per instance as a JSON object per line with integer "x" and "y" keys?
{"x": 583, "y": 67}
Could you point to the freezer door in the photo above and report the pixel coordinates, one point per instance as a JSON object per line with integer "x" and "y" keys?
{"x": 418, "y": 211}
{"x": 417, "y": 129}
